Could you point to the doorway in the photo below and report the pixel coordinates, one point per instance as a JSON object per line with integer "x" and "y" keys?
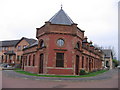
{"x": 77, "y": 65}
{"x": 41, "y": 63}
{"x": 90, "y": 62}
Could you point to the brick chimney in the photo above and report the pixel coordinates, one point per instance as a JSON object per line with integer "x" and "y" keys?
{"x": 91, "y": 46}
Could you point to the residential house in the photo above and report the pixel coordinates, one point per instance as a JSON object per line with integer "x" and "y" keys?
{"x": 11, "y": 50}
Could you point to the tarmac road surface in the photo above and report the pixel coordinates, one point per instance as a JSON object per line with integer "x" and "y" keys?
{"x": 11, "y": 79}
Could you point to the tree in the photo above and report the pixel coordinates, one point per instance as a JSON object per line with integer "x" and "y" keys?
{"x": 115, "y": 62}
{"x": 113, "y": 50}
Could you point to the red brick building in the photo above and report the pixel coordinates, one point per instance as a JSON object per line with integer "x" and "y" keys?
{"x": 61, "y": 48}
{"x": 11, "y": 50}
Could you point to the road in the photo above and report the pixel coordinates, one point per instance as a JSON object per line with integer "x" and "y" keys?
{"x": 11, "y": 79}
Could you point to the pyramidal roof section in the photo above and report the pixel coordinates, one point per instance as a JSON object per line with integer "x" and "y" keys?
{"x": 61, "y": 18}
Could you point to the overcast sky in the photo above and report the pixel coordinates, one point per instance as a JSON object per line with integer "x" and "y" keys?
{"x": 99, "y": 18}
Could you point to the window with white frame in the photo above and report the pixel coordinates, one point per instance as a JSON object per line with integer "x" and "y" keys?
{"x": 19, "y": 48}
{"x": 24, "y": 46}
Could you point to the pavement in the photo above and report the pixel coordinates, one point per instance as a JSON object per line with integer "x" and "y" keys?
{"x": 12, "y": 79}
{"x": 106, "y": 75}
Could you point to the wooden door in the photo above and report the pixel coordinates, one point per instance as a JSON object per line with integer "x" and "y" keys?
{"x": 41, "y": 63}
{"x": 77, "y": 65}
{"x": 90, "y": 65}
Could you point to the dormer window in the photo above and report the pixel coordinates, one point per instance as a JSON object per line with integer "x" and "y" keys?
{"x": 42, "y": 44}
{"x": 19, "y": 48}
{"x": 24, "y": 46}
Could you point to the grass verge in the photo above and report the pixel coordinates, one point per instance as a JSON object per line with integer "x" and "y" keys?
{"x": 65, "y": 76}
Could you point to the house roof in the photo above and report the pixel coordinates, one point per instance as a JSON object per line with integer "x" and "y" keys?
{"x": 32, "y": 45}
{"x": 61, "y": 18}
{"x": 107, "y": 53}
{"x": 30, "y": 41}
{"x": 36, "y": 43}
{"x": 15, "y": 42}
{"x": 8, "y": 43}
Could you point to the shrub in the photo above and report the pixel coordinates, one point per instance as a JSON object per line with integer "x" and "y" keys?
{"x": 98, "y": 69}
{"x": 83, "y": 72}
{"x": 94, "y": 70}
{"x": 116, "y": 62}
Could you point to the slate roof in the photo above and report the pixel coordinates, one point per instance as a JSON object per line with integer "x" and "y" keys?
{"x": 30, "y": 41}
{"x": 15, "y": 42}
{"x": 36, "y": 43}
{"x": 32, "y": 45}
{"x": 61, "y": 18}
{"x": 107, "y": 52}
{"x": 10, "y": 53}
{"x": 8, "y": 43}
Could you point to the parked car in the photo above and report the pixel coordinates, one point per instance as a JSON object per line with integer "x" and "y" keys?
{"x": 118, "y": 67}
{"x": 105, "y": 68}
{"x": 4, "y": 65}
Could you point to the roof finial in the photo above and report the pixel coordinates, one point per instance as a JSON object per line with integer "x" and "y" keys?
{"x": 61, "y": 6}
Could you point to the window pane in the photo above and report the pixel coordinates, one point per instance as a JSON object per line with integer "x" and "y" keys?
{"x": 2, "y": 57}
{"x": 24, "y": 46}
{"x": 33, "y": 60}
{"x": 60, "y": 60}
{"x": 29, "y": 60}
{"x": 42, "y": 44}
{"x": 10, "y": 57}
{"x": 60, "y": 63}
{"x": 19, "y": 47}
{"x": 18, "y": 57}
{"x": 60, "y": 42}
{"x": 60, "y": 56}
{"x": 82, "y": 61}
{"x": 26, "y": 60}
{"x": 77, "y": 45}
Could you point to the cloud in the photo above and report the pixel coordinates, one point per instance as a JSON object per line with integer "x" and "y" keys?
{"x": 97, "y": 17}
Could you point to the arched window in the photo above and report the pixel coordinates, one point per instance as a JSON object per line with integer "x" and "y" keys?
{"x": 82, "y": 61}
{"x": 78, "y": 45}
{"x": 42, "y": 44}
{"x": 2, "y": 57}
{"x": 25, "y": 60}
{"x": 33, "y": 64}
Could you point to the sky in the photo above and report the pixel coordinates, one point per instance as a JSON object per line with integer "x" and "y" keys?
{"x": 98, "y": 18}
